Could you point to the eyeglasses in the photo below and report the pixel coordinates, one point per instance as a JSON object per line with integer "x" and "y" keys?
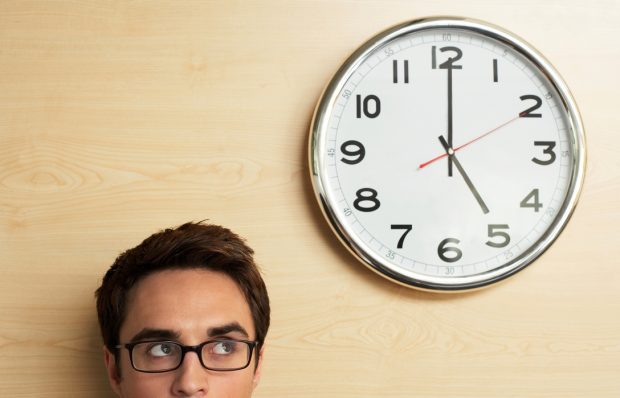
{"x": 164, "y": 356}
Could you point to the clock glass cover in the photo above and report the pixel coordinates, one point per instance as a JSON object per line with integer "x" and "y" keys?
{"x": 447, "y": 154}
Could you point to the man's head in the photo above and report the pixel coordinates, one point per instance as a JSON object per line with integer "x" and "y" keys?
{"x": 180, "y": 288}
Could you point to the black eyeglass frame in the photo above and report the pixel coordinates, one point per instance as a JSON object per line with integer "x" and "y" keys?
{"x": 189, "y": 348}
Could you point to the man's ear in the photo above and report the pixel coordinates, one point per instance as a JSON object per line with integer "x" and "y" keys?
{"x": 114, "y": 374}
{"x": 259, "y": 367}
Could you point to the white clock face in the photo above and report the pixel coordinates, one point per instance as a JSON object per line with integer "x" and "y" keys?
{"x": 446, "y": 158}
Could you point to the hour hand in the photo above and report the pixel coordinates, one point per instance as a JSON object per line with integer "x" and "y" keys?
{"x": 472, "y": 188}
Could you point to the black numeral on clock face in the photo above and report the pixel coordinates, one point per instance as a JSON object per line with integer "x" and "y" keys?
{"x": 547, "y": 151}
{"x": 369, "y": 106}
{"x": 405, "y": 71}
{"x": 449, "y": 254}
{"x": 357, "y": 153}
{"x": 532, "y": 200}
{"x": 449, "y": 64}
{"x": 495, "y": 231}
{"x": 528, "y": 111}
{"x": 366, "y": 200}
{"x": 407, "y": 228}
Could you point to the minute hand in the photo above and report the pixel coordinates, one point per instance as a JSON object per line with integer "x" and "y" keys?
{"x": 474, "y": 191}
{"x": 450, "y": 116}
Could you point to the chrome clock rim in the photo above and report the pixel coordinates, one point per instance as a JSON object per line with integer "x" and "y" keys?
{"x": 359, "y": 249}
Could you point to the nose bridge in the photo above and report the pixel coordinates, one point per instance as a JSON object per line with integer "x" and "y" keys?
{"x": 191, "y": 376}
{"x": 197, "y": 349}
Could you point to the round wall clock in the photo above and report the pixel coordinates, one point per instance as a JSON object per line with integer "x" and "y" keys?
{"x": 447, "y": 154}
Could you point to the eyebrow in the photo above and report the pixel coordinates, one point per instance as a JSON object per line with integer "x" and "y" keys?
{"x": 227, "y": 328}
{"x": 167, "y": 334}
{"x": 150, "y": 333}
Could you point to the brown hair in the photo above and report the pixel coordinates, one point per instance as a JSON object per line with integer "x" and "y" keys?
{"x": 192, "y": 245}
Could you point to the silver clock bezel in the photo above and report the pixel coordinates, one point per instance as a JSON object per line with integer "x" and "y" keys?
{"x": 359, "y": 248}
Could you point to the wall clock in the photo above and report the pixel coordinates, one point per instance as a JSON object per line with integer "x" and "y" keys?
{"x": 447, "y": 154}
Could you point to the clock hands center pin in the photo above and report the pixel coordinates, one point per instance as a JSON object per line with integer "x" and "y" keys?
{"x": 443, "y": 155}
{"x": 470, "y": 185}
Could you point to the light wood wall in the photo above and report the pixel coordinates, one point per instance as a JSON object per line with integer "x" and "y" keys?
{"x": 119, "y": 118}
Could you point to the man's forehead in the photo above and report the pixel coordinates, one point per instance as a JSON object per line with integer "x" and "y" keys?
{"x": 190, "y": 285}
{"x": 188, "y": 301}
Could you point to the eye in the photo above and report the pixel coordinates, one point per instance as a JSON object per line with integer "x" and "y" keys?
{"x": 224, "y": 347}
{"x": 161, "y": 349}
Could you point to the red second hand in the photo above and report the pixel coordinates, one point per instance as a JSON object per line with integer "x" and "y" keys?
{"x": 422, "y": 165}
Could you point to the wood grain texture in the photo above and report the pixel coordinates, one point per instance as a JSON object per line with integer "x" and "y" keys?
{"x": 118, "y": 118}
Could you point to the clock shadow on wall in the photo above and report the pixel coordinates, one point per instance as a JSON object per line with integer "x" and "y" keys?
{"x": 446, "y": 154}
